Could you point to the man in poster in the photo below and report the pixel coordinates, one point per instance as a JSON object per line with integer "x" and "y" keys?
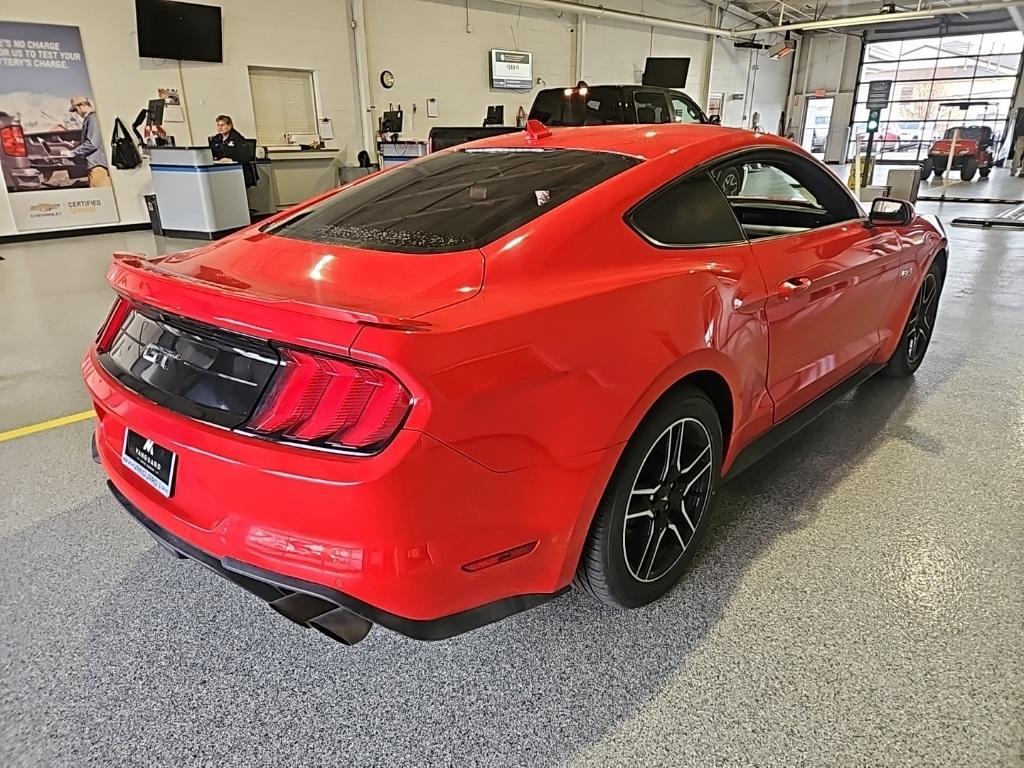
{"x": 91, "y": 146}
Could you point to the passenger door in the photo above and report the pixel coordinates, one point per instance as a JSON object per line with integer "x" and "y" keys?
{"x": 829, "y": 276}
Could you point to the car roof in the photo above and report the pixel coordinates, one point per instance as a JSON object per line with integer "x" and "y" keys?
{"x": 646, "y": 141}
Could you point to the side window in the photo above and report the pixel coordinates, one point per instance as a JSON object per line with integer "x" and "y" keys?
{"x": 651, "y": 107}
{"x": 690, "y": 212}
{"x": 684, "y": 111}
{"x": 780, "y": 193}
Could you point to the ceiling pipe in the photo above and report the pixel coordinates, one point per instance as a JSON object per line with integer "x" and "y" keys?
{"x": 882, "y": 18}
{"x": 563, "y": 6}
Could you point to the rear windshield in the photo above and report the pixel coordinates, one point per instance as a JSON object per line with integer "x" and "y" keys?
{"x": 600, "y": 105}
{"x": 452, "y": 201}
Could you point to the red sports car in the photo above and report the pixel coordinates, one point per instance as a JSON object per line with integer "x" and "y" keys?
{"x": 452, "y": 390}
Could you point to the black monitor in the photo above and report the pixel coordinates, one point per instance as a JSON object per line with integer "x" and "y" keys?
{"x": 155, "y": 112}
{"x": 495, "y": 115}
{"x": 666, "y": 71}
{"x": 173, "y": 30}
{"x": 391, "y": 122}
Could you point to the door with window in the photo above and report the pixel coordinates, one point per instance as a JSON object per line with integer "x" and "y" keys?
{"x": 829, "y": 276}
{"x": 651, "y": 107}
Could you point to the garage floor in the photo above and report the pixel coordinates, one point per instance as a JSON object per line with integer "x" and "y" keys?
{"x": 859, "y": 600}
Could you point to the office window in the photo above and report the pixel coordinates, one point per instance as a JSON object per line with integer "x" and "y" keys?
{"x": 283, "y": 104}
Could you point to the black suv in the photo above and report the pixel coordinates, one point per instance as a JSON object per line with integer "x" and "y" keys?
{"x": 615, "y": 105}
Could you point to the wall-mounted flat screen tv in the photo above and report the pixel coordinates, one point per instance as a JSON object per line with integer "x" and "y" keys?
{"x": 172, "y": 30}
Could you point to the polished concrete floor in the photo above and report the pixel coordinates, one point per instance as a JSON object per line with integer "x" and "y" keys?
{"x": 859, "y": 600}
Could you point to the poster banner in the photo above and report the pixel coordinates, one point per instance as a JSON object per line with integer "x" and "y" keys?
{"x": 52, "y": 150}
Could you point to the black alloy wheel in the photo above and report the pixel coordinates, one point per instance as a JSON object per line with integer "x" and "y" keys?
{"x": 655, "y": 510}
{"x": 669, "y": 496}
{"x": 917, "y": 334}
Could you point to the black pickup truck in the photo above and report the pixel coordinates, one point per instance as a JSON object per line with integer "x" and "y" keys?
{"x": 589, "y": 105}
{"x": 599, "y": 105}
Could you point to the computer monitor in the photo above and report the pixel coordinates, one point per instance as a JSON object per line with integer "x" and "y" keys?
{"x": 495, "y": 115}
{"x": 155, "y": 112}
{"x": 391, "y": 122}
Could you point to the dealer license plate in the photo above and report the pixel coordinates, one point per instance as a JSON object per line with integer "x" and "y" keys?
{"x": 153, "y": 463}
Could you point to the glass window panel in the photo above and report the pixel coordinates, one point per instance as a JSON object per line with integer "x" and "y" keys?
{"x": 960, "y": 66}
{"x": 1006, "y": 65}
{"x": 947, "y": 90}
{"x": 993, "y": 87}
{"x": 915, "y": 69}
{"x": 919, "y": 90}
{"x": 1002, "y": 42}
{"x": 882, "y": 51}
{"x": 926, "y": 48}
{"x": 885, "y": 70}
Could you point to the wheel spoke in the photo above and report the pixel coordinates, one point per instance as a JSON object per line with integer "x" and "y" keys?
{"x": 654, "y": 552}
{"x": 672, "y": 527}
{"x": 646, "y": 491}
{"x": 686, "y": 516}
{"x": 641, "y": 513}
{"x": 697, "y": 468}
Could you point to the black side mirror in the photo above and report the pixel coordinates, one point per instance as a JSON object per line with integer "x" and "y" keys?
{"x": 886, "y": 211}
{"x": 714, "y": 120}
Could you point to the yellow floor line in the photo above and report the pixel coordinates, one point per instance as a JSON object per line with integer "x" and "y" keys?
{"x": 42, "y": 426}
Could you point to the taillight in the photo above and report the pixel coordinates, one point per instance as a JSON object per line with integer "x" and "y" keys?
{"x": 329, "y": 402}
{"x": 12, "y": 138}
{"x": 115, "y": 319}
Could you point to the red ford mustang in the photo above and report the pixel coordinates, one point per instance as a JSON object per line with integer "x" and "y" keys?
{"x": 450, "y": 391}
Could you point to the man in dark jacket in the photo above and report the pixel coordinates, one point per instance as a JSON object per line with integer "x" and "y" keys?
{"x": 226, "y": 141}
{"x": 90, "y": 148}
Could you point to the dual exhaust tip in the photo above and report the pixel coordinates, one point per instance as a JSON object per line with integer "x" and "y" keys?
{"x": 337, "y": 623}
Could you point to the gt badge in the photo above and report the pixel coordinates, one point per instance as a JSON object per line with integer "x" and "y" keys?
{"x": 906, "y": 271}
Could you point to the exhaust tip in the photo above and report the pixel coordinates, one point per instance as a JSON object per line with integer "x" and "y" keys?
{"x": 342, "y": 625}
{"x": 300, "y": 607}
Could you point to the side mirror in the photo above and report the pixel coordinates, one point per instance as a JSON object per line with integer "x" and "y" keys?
{"x": 714, "y": 120}
{"x": 888, "y": 212}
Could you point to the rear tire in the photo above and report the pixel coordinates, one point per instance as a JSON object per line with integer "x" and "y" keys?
{"x": 656, "y": 507}
{"x": 927, "y": 167}
{"x": 968, "y": 168}
{"x": 917, "y": 333}
{"x": 984, "y": 172}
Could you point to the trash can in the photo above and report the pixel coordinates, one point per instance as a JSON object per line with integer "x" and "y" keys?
{"x": 154, "y": 214}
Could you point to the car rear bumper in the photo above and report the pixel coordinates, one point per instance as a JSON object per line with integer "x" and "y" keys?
{"x": 272, "y": 587}
{"x": 387, "y": 536}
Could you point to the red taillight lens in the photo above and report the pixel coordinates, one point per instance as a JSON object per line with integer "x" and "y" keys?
{"x": 115, "y": 319}
{"x": 327, "y": 401}
{"x": 12, "y": 138}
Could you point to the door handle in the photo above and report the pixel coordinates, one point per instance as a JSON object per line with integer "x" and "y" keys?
{"x": 793, "y": 286}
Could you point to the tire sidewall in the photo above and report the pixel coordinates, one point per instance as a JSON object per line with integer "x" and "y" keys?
{"x": 627, "y": 590}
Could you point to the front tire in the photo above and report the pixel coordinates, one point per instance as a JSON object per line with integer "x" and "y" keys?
{"x": 926, "y": 169}
{"x": 655, "y": 510}
{"x": 917, "y": 333}
{"x": 968, "y": 168}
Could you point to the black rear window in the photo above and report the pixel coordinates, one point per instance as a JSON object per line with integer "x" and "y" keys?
{"x": 600, "y": 105}
{"x": 452, "y": 201}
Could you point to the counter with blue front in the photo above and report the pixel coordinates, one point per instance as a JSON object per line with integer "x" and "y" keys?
{"x": 197, "y": 197}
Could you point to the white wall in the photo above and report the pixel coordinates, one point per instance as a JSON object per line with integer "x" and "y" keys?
{"x": 255, "y": 33}
{"x": 425, "y": 44}
{"x": 764, "y": 89}
{"x": 616, "y": 51}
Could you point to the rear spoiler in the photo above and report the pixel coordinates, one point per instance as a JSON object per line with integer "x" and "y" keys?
{"x": 135, "y": 276}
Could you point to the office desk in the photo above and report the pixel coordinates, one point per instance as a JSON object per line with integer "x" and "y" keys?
{"x": 299, "y": 174}
{"x": 197, "y": 198}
